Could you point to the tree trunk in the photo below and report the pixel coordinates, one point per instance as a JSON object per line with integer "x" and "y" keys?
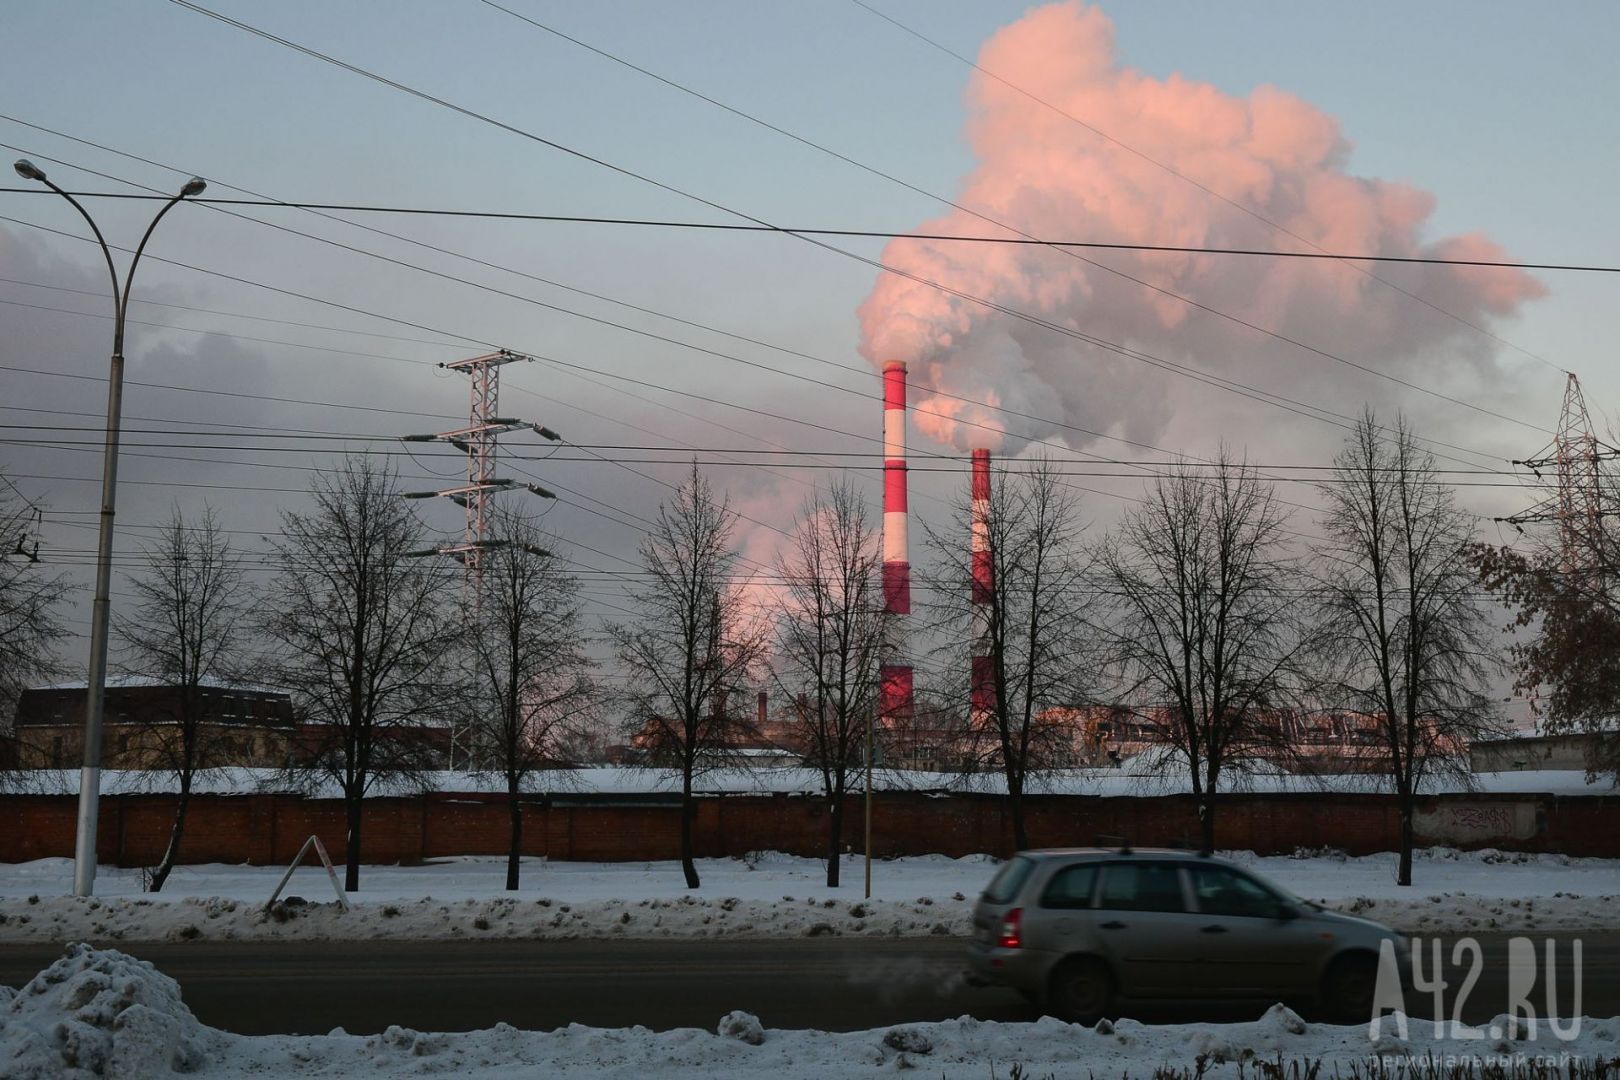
{"x": 835, "y": 837}
{"x": 172, "y": 852}
{"x": 688, "y": 812}
{"x": 1015, "y": 805}
{"x": 1206, "y": 822}
{"x": 1403, "y": 875}
{"x": 515, "y": 851}
{"x": 351, "y": 869}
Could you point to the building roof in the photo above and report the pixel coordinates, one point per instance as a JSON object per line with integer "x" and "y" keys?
{"x": 129, "y": 682}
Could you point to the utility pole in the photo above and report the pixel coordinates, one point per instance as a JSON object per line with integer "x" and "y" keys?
{"x": 95, "y": 686}
{"x": 478, "y": 441}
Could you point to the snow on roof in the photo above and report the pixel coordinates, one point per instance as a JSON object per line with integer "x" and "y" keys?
{"x": 139, "y": 681}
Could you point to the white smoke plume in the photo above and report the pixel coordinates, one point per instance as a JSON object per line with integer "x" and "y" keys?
{"x": 1270, "y": 152}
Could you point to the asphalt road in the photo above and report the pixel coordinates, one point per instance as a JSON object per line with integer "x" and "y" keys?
{"x": 827, "y": 983}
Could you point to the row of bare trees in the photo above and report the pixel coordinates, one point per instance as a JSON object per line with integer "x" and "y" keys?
{"x": 1201, "y": 612}
{"x": 380, "y": 650}
{"x": 1204, "y": 616}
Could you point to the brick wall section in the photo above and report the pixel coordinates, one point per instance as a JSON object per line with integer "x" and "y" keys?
{"x": 267, "y": 829}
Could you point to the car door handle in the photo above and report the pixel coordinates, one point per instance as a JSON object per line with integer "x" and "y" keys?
{"x": 1112, "y": 925}
{"x": 1214, "y": 928}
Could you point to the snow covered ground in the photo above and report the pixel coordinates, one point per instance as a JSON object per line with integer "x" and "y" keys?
{"x": 101, "y": 1013}
{"x": 761, "y": 896}
{"x": 1138, "y": 776}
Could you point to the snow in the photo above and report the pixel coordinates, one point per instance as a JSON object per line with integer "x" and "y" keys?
{"x": 1137, "y": 776}
{"x": 763, "y": 895}
{"x": 102, "y": 1013}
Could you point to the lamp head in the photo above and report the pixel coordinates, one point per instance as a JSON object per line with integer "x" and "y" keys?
{"x": 195, "y": 186}
{"x": 28, "y": 170}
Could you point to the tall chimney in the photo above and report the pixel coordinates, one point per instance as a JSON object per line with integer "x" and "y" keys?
{"x": 894, "y": 675}
{"x": 982, "y": 686}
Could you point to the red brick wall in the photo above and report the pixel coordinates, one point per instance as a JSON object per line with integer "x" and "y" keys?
{"x": 269, "y": 828}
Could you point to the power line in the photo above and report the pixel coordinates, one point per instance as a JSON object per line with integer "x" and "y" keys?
{"x": 876, "y": 264}
{"x": 872, "y": 234}
{"x": 94, "y": 446}
{"x": 867, "y": 234}
{"x": 683, "y": 448}
{"x": 1199, "y": 375}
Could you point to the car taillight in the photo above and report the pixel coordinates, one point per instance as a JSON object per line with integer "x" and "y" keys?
{"x": 1011, "y": 935}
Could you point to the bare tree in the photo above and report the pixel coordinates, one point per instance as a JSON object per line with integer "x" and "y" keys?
{"x": 1562, "y": 586}
{"x": 1024, "y": 614}
{"x": 695, "y": 641}
{"x": 830, "y": 629}
{"x": 366, "y": 642}
{"x": 530, "y": 684}
{"x": 1407, "y": 637}
{"x": 185, "y": 630}
{"x": 1206, "y": 622}
{"x": 30, "y": 597}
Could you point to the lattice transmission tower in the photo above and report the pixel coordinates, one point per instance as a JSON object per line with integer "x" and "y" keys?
{"x": 1576, "y": 505}
{"x": 478, "y": 440}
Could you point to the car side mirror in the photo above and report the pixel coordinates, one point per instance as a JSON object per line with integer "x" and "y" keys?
{"x": 1287, "y": 912}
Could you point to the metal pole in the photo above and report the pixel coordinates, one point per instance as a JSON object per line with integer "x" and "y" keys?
{"x": 95, "y": 692}
{"x": 868, "y": 844}
{"x": 84, "y": 844}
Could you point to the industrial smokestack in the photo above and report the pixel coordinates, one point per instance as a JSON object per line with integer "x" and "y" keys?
{"x": 894, "y": 676}
{"x": 982, "y": 687}
{"x": 896, "y": 566}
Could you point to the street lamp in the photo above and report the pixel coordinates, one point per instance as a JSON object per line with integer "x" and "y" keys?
{"x": 84, "y": 846}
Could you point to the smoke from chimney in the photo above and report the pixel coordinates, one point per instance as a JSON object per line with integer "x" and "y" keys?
{"x": 1041, "y": 172}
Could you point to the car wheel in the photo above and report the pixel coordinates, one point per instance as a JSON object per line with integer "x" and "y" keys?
{"x": 1080, "y": 991}
{"x": 1348, "y": 989}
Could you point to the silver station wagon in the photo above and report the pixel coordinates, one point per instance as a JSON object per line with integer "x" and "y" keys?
{"x": 1076, "y": 931}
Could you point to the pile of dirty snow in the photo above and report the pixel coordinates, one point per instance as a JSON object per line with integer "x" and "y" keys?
{"x": 101, "y": 1013}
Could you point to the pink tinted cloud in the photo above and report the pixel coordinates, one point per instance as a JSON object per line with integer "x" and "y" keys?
{"x": 1037, "y": 170}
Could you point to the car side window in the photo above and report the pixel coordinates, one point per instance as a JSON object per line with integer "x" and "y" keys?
{"x": 1070, "y": 887}
{"x": 1221, "y": 891}
{"x": 1141, "y": 887}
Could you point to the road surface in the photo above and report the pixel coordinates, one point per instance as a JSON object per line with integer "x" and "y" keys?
{"x": 826, "y": 983}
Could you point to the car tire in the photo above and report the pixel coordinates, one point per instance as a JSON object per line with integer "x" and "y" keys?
{"x": 1348, "y": 987}
{"x": 1080, "y": 991}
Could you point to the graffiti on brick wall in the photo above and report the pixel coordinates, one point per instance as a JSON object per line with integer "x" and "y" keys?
{"x": 1467, "y": 823}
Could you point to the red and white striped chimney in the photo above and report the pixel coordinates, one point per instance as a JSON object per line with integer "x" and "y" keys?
{"x": 894, "y": 677}
{"x": 982, "y": 686}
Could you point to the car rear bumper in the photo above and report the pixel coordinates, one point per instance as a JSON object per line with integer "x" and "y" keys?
{"x": 1020, "y": 969}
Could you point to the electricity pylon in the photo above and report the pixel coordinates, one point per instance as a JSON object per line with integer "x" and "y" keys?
{"x": 1576, "y": 504}
{"x": 478, "y": 441}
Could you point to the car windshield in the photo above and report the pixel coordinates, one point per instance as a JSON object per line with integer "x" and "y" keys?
{"x": 1008, "y": 880}
{"x": 1285, "y": 893}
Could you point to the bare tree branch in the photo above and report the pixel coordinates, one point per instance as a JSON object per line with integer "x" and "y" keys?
{"x": 1205, "y": 623}
{"x": 830, "y": 628}
{"x": 365, "y": 635}
{"x": 529, "y": 685}
{"x": 696, "y": 642}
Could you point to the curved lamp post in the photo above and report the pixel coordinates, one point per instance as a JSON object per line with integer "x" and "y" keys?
{"x": 84, "y": 847}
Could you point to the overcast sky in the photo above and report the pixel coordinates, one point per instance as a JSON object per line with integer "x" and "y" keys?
{"x": 1446, "y": 128}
